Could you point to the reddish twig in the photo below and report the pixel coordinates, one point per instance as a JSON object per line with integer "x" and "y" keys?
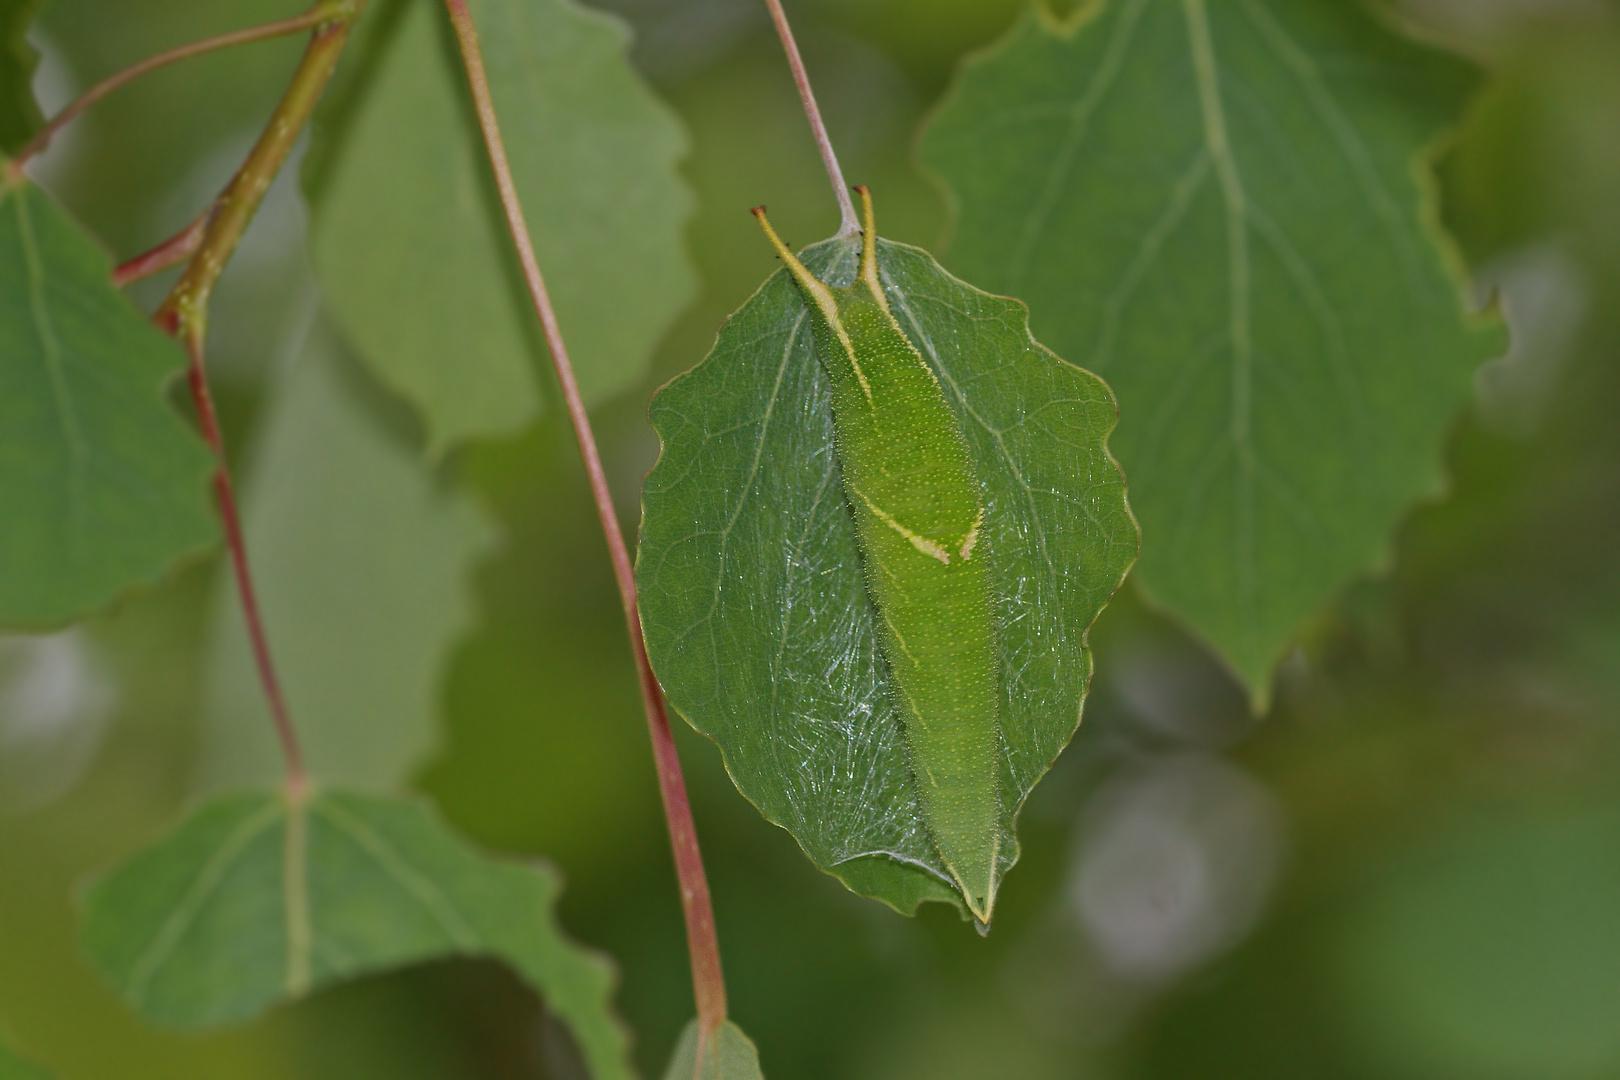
{"x": 197, "y": 378}
{"x": 184, "y": 314}
{"x": 850, "y": 223}
{"x": 703, "y": 944}
{"x": 325, "y": 11}
{"x": 172, "y": 252}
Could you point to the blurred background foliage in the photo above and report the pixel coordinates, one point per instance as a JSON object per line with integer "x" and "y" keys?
{"x": 1409, "y": 869}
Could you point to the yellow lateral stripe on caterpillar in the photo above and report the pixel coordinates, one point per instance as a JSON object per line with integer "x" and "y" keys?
{"x": 919, "y": 510}
{"x": 927, "y": 547}
{"x": 821, "y": 295}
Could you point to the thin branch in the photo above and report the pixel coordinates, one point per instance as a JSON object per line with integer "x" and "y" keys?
{"x": 703, "y": 944}
{"x": 850, "y": 225}
{"x": 173, "y": 251}
{"x": 236, "y": 205}
{"x": 286, "y": 734}
{"x": 184, "y": 314}
{"x": 324, "y": 11}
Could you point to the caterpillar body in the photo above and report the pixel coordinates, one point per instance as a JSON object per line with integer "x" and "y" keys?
{"x": 919, "y": 511}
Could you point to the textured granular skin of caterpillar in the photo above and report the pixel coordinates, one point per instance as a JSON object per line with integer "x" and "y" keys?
{"x": 918, "y": 508}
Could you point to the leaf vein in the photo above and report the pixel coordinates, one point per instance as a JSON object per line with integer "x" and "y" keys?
{"x": 391, "y": 862}
{"x": 1080, "y": 114}
{"x": 1305, "y": 279}
{"x": 1239, "y": 271}
{"x": 1344, "y": 133}
{"x": 201, "y": 890}
{"x": 1147, "y": 254}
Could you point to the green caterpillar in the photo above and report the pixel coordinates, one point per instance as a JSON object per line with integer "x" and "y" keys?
{"x": 918, "y": 510}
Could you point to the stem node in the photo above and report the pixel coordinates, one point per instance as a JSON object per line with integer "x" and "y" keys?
{"x": 209, "y": 243}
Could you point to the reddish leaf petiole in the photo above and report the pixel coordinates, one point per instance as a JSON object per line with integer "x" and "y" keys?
{"x": 708, "y": 983}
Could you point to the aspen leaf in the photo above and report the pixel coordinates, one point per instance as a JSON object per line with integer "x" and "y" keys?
{"x": 362, "y": 559}
{"x": 102, "y": 485}
{"x": 728, "y": 1055}
{"x": 255, "y": 900}
{"x": 758, "y": 621}
{"x": 409, "y": 243}
{"x": 1222, "y": 209}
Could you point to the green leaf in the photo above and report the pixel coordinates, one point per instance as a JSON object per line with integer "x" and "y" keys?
{"x": 1222, "y": 209}
{"x": 362, "y": 560}
{"x": 13, "y": 1066}
{"x": 757, "y": 619}
{"x": 409, "y": 242}
{"x": 728, "y": 1055}
{"x": 255, "y": 900}
{"x": 101, "y": 483}
{"x": 19, "y": 112}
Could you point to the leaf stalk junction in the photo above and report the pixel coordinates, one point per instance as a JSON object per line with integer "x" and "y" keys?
{"x": 849, "y": 223}
{"x": 184, "y": 314}
{"x": 206, "y": 246}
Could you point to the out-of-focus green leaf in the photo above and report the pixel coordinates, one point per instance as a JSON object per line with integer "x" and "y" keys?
{"x": 19, "y": 112}
{"x": 101, "y": 484}
{"x": 142, "y": 164}
{"x": 1221, "y": 209}
{"x": 13, "y": 1066}
{"x": 255, "y": 899}
{"x": 756, "y": 615}
{"x": 409, "y": 242}
{"x": 362, "y": 564}
{"x": 728, "y": 1055}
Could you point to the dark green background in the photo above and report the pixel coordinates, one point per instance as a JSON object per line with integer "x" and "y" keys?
{"x": 1442, "y": 757}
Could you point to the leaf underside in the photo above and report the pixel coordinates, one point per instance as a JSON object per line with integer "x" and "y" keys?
{"x": 362, "y": 562}
{"x": 250, "y": 902}
{"x": 408, "y": 238}
{"x": 102, "y": 485}
{"x": 1222, "y": 209}
{"x": 756, "y": 616}
{"x": 729, "y": 1054}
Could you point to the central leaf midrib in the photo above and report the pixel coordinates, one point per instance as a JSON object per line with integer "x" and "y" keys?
{"x": 1240, "y": 329}
{"x": 300, "y": 931}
